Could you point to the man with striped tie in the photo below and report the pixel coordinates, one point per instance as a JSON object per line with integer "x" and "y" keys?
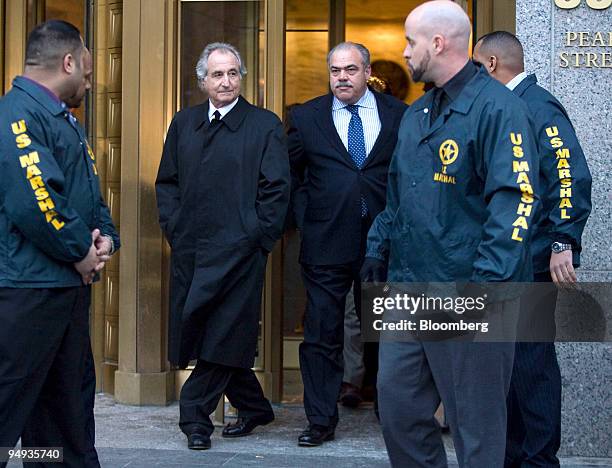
{"x": 340, "y": 145}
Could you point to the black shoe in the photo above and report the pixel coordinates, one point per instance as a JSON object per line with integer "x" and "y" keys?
{"x": 350, "y": 395}
{"x": 244, "y": 426}
{"x": 314, "y": 435}
{"x": 197, "y": 441}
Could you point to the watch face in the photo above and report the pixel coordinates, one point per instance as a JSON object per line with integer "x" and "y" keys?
{"x": 559, "y": 247}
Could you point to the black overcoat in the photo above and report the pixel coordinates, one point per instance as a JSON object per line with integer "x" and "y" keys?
{"x": 222, "y": 194}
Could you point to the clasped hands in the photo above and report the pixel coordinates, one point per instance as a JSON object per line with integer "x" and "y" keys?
{"x": 99, "y": 253}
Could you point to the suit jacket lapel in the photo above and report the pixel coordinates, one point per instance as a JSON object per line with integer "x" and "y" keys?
{"x": 325, "y": 122}
{"x": 386, "y": 128}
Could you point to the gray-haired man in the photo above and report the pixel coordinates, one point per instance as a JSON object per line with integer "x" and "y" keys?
{"x": 340, "y": 145}
{"x": 222, "y": 194}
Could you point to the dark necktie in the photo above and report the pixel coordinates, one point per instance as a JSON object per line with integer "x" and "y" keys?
{"x": 356, "y": 140}
{"x": 436, "y": 105}
{"x": 356, "y": 145}
{"x": 216, "y": 117}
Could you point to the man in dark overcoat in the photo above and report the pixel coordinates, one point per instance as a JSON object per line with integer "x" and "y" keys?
{"x": 222, "y": 193}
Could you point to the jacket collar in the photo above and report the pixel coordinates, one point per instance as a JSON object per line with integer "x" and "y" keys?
{"x": 232, "y": 119}
{"x": 455, "y": 85}
{"x": 36, "y": 92}
{"x": 466, "y": 98}
{"x": 526, "y": 84}
{"x": 462, "y": 104}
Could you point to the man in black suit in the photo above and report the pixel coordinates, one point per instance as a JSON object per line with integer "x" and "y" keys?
{"x": 340, "y": 146}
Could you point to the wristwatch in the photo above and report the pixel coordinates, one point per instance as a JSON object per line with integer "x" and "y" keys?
{"x": 558, "y": 247}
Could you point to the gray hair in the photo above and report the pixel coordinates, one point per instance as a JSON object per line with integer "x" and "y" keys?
{"x": 363, "y": 51}
{"x": 202, "y": 65}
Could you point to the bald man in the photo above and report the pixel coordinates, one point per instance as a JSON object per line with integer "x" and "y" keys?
{"x": 534, "y": 402}
{"x": 457, "y": 211}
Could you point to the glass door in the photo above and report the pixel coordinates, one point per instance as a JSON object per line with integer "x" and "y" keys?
{"x": 240, "y": 23}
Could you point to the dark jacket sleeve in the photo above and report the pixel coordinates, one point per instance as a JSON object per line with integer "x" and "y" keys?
{"x": 568, "y": 179}
{"x": 509, "y": 173}
{"x": 167, "y": 183}
{"x": 107, "y": 227}
{"x": 273, "y": 188}
{"x": 298, "y": 163}
{"x": 32, "y": 192}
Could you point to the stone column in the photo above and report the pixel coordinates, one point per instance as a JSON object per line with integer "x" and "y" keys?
{"x": 143, "y": 376}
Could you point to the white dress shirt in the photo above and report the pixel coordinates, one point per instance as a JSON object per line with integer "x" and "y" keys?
{"x": 222, "y": 110}
{"x": 368, "y": 112}
{"x": 514, "y": 82}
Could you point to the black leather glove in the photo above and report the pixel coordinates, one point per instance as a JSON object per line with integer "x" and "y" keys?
{"x": 373, "y": 269}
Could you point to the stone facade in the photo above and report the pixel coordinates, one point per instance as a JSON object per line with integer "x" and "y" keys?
{"x": 585, "y": 92}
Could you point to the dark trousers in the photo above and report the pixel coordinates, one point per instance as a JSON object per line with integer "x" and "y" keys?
{"x": 202, "y": 391}
{"x": 534, "y": 400}
{"x": 321, "y": 352}
{"x": 43, "y": 346}
{"x": 88, "y": 396}
{"x": 471, "y": 379}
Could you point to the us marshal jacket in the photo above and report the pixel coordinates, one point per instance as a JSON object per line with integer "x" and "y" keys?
{"x": 461, "y": 191}
{"x": 50, "y": 198}
{"x": 565, "y": 179}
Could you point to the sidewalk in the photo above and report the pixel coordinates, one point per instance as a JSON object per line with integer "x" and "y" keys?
{"x": 129, "y": 436}
{"x": 139, "y": 437}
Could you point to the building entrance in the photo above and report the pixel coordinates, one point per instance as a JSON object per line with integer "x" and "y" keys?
{"x": 144, "y": 59}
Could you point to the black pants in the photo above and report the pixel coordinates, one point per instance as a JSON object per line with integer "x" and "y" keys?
{"x": 321, "y": 359}
{"x": 534, "y": 400}
{"x": 201, "y": 393}
{"x": 43, "y": 346}
{"x": 88, "y": 396}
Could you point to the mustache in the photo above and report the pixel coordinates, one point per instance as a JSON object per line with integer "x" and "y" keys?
{"x": 343, "y": 83}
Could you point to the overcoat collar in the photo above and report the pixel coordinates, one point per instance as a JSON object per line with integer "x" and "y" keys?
{"x": 233, "y": 119}
{"x": 323, "y": 109}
